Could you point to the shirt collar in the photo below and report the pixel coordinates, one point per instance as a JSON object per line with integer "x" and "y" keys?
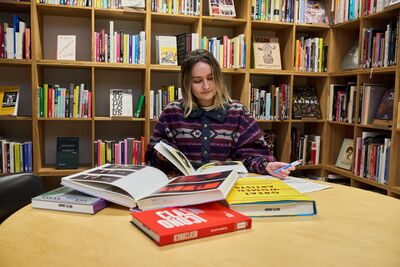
{"x": 216, "y": 114}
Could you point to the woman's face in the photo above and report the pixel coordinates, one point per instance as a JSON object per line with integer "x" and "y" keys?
{"x": 203, "y": 87}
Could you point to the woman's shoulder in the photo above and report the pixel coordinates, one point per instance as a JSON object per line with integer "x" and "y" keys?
{"x": 176, "y": 105}
{"x": 236, "y": 106}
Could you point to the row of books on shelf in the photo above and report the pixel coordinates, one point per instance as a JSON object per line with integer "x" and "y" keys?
{"x": 15, "y": 40}
{"x": 305, "y": 147}
{"x": 371, "y": 7}
{"x": 59, "y": 102}
{"x": 185, "y": 43}
{"x": 269, "y": 102}
{"x": 345, "y": 10}
{"x": 311, "y": 54}
{"x": 376, "y": 104}
{"x": 273, "y": 10}
{"x": 15, "y": 156}
{"x": 113, "y": 4}
{"x": 161, "y": 97}
{"x": 342, "y": 102}
{"x": 126, "y": 151}
{"x": 185, "y": 7}
{"x": 230, "y": 53}
{"x": 379, "y": 47}
{"x": 120, "y": 47}
{"x": 373, "y": 156}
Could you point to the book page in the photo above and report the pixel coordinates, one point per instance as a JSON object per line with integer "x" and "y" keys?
{"x": 223, "y": 166}
{"x": 176, "y": 157}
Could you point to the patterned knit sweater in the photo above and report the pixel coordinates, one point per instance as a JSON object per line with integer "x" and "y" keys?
{"x": 215, "y": 135}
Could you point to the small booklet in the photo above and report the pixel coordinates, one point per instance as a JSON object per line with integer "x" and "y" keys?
{"x": 180, "y": 161}
{"x": 149, "y": 188}
{"x": 67, "y": 199}
{"x": 269, "y": 197}
{"x": 172, "y": 225}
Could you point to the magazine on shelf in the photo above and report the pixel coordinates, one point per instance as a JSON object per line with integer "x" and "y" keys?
{"x": 259, "y": 197}
{"x": 68, "y": 199}
{"x": 146, "y": 187}
{"x": 180, "y": 161}
{"x": 224, "y": 8}
{"x": 172, "y": 225}
{"x": 9, "y": 96}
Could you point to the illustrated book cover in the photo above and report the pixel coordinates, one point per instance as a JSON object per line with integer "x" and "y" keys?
{"x": 266, "y": 53}
{"x": 306, "y": 103}
{"x": 315, "y": 11}
{"x": 177, "y": 158}
{"x": 67, "y": 199}
{"x": 146, "y": 187}
{"x": 384, "y": 113}
{"x": 345, "y": 157}
{"x": 222, "y": 8}
{"x": 121, "y": 103}
{"x": 258, "y": 197}
{"x": 172, "y": 225}
{"x": 166, "y": 50}
{"x": 9, "y": 96}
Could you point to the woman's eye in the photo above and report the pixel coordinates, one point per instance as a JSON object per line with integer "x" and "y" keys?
{"x": 197, "y": 81}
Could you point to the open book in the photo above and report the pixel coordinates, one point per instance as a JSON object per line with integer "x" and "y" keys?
{"x": 149, "y": 188}
{"x": 180, "y": 161}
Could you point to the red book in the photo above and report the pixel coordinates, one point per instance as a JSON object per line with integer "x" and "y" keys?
{"x": 172, "y": 225}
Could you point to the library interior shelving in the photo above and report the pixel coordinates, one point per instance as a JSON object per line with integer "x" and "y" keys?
{"x": 48, "y": 20}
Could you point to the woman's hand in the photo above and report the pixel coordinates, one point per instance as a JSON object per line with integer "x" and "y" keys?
{"x": 272, "y": 166}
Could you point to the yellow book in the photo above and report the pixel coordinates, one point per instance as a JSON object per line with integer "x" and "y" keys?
{"x": 258, "y": 197}
{"x": 76, "y": 101}
{"x": 103, "y": 153}
{"x": 320, "y": 47}
{"x": 9, "y": 96}
{"x": 171, "y": 93}
{"x": 398, "y": 115}
{"x": 17, "y": 158}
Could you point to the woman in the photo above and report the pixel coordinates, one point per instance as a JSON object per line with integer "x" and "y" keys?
{"x": 206, "y": 125}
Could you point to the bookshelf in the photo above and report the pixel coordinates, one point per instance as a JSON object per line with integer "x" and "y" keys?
{"x": 48, "y": 20}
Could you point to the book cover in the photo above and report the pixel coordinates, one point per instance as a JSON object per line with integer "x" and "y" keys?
{"x": 121, "y": 103}
{"x": 166, "y": 50}
{"x": 67, "y": 199}
{"x": 149, "y": 188}
{"x": 66, "y": 47}
{"x": 315, "y": 11}
{"x": 258, "y": 197}
{"x": 306, "y": 103}
{"x": 384, "y": 113}
{"x": 222, "y": 8}
{"x": 345, "y": 157}
{"x": 266, "y": 53}
{"x": 177, "y": 158}
{"x": 172, "y": 225}
{"x": 9, "y": 96}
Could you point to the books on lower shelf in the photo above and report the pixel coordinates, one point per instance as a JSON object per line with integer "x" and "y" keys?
{"x": 267, "y": 54}
{"x": 166, "y": 50}
{"x": 67, "y": 199}
{"x": 172, "y": 225}
{"x": 9, "y": 97}
{"x": 179, "y": 160}
{"x": 149, "y": 188}
{"x": 342, "y": 102}
{"x": 306, "y": 147}
{"x": 160, "y": 98}
{"x": 15, "y": 156}
{"x": 258, "y": 197}
{"x": 55, "y": 101}
{"x": 373, "y": 151}
{"x": 371, "y": 95}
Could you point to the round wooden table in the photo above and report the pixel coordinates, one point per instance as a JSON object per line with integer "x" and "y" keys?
{"x": 353, "y": 227}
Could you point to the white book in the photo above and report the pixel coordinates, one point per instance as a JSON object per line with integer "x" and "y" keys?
{"x": 149, "y": 188}
{"x": 111, "y": 38}
{"x": 142, "y": 47}
{"x": 166, "y": 50}
{"x": 121, "y": 103}
{"x": 66, "y": 47}
{"x": 151, "y": 104}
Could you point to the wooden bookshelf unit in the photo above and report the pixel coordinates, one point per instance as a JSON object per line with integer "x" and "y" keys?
{"x": 47, "y": 21}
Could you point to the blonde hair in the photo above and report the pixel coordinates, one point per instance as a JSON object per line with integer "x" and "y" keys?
{"x": 189, "y": 101}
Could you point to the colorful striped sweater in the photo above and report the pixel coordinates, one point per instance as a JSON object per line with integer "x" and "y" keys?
{"x": 215, "y": 135}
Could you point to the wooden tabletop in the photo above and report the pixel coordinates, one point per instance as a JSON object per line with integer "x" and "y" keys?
{"x": 353, "y": 227}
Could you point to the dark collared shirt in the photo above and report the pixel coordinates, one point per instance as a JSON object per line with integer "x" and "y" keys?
{"x": 214, "y": 135}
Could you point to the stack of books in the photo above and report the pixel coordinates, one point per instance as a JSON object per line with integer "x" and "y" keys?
{"x": 203, "y": 202}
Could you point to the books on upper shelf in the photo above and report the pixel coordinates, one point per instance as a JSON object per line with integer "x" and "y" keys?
{"x": 310, "y": 54}
{"x": 179, "y": 160}
{"x": 312, "y": 11}
{"x": 371, "y": 7}
{"x": 139, "y": 4}
{"x": 15, "y": 156}
{"x": 15, "y": 39}
{"x": 373, "y": 151}
{"x": 127, "y": 151}
{"x": 305, "y": 103}
{"x": 146, "y": 187}
{"x": 172, "y": 225}
{"x": 66, "y": 47}
{"x": 257, "y": 197}
{"x": 166, "y": 50}
{"x": 9, "y": 96}
{"x": 306, "y": 147}
{"x": 345, "y": 157}
{"x": 186, "y": 43}
{"x": 345, "y": 10}
{"x": 186, "y": 7}
{"x": 266, "y": 53}
{"x": 121, "y": 103}
{"x": 87, "y": 3}
{"x": 281, "y": 10}
{"x": 342, "y": 102}
{"x": 222, "y": 8}
{"x": 371, "y": 95}
{"x": 55, "y": 101}
{"x": 384, "y": 113}
{"x": 67, "y": 199}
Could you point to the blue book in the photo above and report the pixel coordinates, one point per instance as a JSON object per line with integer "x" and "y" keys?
{"x": 16, "y": 20}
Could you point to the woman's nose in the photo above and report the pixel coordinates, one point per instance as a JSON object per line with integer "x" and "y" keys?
{"x": 205, "y": 84}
